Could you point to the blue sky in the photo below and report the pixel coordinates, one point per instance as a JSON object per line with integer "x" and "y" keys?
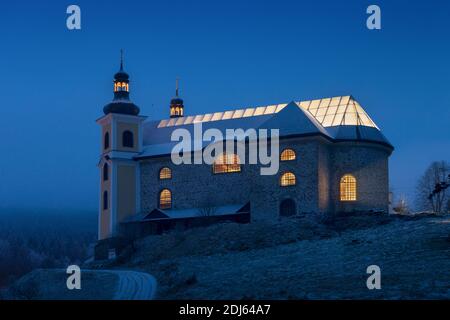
{"x": 228, "y": 54}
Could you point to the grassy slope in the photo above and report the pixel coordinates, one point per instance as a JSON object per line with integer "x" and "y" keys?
{"x": 298, "y": 259}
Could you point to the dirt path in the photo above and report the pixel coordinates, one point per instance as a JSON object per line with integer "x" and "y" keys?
{"x": 134, "y": 285}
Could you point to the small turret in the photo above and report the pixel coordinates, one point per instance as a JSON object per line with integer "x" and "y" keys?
{"x": 176, "y": 104}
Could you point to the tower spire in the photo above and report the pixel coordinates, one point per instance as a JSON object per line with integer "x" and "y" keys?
{"x": 121, "y": 59}
{"x": 176, "y": 86}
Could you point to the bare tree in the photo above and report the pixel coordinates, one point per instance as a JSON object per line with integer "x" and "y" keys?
{"x": 427, "y": 200}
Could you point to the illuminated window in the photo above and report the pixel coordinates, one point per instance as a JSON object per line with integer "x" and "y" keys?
{"x": 121, "y": 86}
{"x": 105, "y": 172}
{"x": 287, "y": 179}
{"x": 165, "y": 199}
{"x": 105, "y": 200}
{"x": 165, "y": 173}
{"x": 287, "y": 155}
{"x": 348, "y": 188}
{"x": 226, "y": 163}
{"x": 127, "y": 139}
{"x": 106, "y": 141}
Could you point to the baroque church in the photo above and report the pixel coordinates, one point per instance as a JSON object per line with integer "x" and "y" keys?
{"x": 333, "y": 158}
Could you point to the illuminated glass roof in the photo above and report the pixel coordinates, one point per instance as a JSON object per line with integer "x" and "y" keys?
{"x": 336, "y": 111}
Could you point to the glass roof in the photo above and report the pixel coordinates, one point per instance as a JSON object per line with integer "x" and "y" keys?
{"x": 336, "y": 111}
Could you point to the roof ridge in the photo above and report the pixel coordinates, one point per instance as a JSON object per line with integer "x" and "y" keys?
{"x": 237, "y": 113}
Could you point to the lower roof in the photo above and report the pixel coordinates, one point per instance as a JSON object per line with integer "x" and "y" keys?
{"x": 158, "y": 214}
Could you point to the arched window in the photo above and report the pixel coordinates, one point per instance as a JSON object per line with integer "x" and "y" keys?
{"x": 165, "y": 199}
{"x": 287, "y": 179}
{"x": 105, "y": 200}
{"x": 226, "y": 163}
{"x": 106, "y": 141}
{"x": 287, "y": 155}
{"x": 105, "y": 172}
{"x": 287, "y": 208}
{"x": 348, "y": 188}
{"x": 165, "y": 173}
{"x": 127, "y": 139}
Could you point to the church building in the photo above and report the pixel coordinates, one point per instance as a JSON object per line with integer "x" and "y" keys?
{"x": 333, "y": 158}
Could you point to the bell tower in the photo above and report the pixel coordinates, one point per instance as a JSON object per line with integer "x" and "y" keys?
{"x": 176, "y": 104}
{"x": 121, "y": 141}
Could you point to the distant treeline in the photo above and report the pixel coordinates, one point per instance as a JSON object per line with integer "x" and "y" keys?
{"x": 34, "y": 238}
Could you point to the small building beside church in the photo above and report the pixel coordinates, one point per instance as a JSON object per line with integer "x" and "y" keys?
{"x": 333, "y": 158}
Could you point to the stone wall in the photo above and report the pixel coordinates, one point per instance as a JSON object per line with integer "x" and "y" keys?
{"x": 368, "y": 163}
{"x": 198, "y": 186}
{"x": 318, "y": 167}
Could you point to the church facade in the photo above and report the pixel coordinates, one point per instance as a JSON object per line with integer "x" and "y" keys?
{"x": 332, "y": 158}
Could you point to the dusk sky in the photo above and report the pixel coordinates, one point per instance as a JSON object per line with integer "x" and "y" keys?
{"x": 228, "y": 55}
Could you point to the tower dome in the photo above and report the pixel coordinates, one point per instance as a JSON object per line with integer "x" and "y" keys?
{"x": 176, "y": 100}
{"x": 121, "y": 102}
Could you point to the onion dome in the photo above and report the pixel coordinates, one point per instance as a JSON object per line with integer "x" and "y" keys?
{"x": 121, "y": 102}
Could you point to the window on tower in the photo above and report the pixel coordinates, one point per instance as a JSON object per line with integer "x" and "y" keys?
{"x": 121, "y": 86}
{"x": 105, "y": 172}
{"x": 106, "y": 142}
{"x": 105, "y": 200}
{"x": 128, "y": 139}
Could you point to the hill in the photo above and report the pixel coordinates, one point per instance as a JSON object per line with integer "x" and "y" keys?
{"x": 301, "y": 258}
